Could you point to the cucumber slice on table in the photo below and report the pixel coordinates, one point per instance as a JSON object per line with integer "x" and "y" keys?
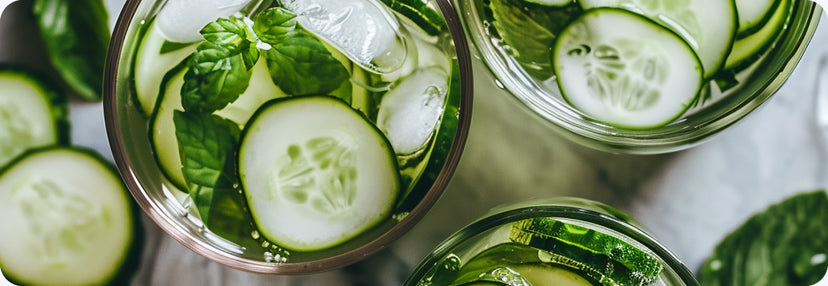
{"x": 625, "y": 70}
{"x": 32, "y": 113}
{"x": 753, "y": 14}
{"x": 748, "y": 49}
{"x": 67, "y": 220}
{"x": 708, "y": 26}
{"x": 162, "y": 131}
{"x": 150, "y": 59}
{"x": 315, "y": 172}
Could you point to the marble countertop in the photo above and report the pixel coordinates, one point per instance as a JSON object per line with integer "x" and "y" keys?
{"x": 688, "y": 200}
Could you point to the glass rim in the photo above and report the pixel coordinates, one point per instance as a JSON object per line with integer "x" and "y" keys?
{"x": 678, "y": 135}
{"x": 558, "y": 207}
{"x": 163, "y": 217}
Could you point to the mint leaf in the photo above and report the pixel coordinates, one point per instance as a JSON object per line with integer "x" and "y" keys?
{"x": 221, "y": 66}
{"x": 786, "y": 244}
{"x": 301, "y": 65}
{"x": 529, "y": 30}
{"x": 207, "y": 145}
{"x": 298, "y": 62}
{"x": 76, "y": 36}
{"x": 229, "y": 32}
{"x": 273, "y": 24}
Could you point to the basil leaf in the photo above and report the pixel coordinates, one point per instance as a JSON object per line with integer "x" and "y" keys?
{"x": 529, "y": 30}
{"x": 76, "y": 36}
{"x": 301, "y": 65}
{"x": 221, "y": 67}
{"x": 786, "y": 244}
{"x": 272, "y": 24}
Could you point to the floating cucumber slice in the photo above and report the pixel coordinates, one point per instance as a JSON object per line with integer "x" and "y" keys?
{"x": 411, "y": 111}
{"x": 625, "y": 70}
{"x": 753, "y": 14}
{"x": 162, "y": 131}
{"x": 748, "y": 49}
{"x": 708, "y": 26}
{"x": 553, "y": 3}
{"x": 600, "y": 256}
{"x": 67, "y": 219}
{"x": 315, "y": 172}
{"x": 32, "y": 113}
{"x": 148, "y": 61}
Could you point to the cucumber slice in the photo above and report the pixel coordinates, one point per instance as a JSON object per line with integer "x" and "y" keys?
{"x": 70, "y": 216}
{"x": 753, "y": 14}
{"x": 708, "y": 26}
{"x": 749, "y": 49}
{"x": 599, "y": 256}
{"x": 150, "y": 59}
{"x": 315, "y": 172}
{"x": 32, "y": 113}
{"x": 551, "y": 3}
{"x": 625, "y": 70}
{"x": 162, "y": 132}
{"x": 411, "y": 111}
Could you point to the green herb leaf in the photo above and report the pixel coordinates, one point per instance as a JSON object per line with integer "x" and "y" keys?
{"x": 207, "y": 145}
{"x": 76, "y": 36}
{"x": 273, "y": 24}
{"x": 299, "y": 63}
{"x": 786, "y": 244}
{"x": 529, "y": 30}
{"x": 221, "y": 67}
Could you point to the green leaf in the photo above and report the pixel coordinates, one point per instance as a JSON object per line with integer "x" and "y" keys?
{"x": 298, "y": 62}
{"x": 529, "y": 30}
{"x": 207, "y": 145}
{"x": 76, "y": 36}
{"x": 273, "y": 24}
{"x": 786, "y": 244}
{"x": 221, "y": 66}
{"x": 216, "y": 77}
{"x": 230, "y": 33}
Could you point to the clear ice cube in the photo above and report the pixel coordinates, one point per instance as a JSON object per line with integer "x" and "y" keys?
{"x": 182, "y": 20}
{"x": 364, "y": 30}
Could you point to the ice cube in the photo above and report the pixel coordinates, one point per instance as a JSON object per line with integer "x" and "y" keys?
{"x": 182, "y": 20}
{"x": 364, "y": 30}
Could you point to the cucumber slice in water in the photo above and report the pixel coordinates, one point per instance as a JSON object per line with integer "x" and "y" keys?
{"x": 411, "y": 111}
{"x": 753, "y": 14}
{"x": 315, "y": 172}
{"x": 67, "y": 219}
{"x": 625, "y": 70}
{"x": 597, "y": 255}
{"x": 551, "y": 3}
{"x": 32, "y": 113}
{"x": 747, "y": 50}
{"x": 162, "y": 131}
{"x": 708, "y": 26}
{"x": 148, "y": 61}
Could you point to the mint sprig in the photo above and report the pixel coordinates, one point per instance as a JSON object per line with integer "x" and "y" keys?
{"x": 221, "y": 68}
